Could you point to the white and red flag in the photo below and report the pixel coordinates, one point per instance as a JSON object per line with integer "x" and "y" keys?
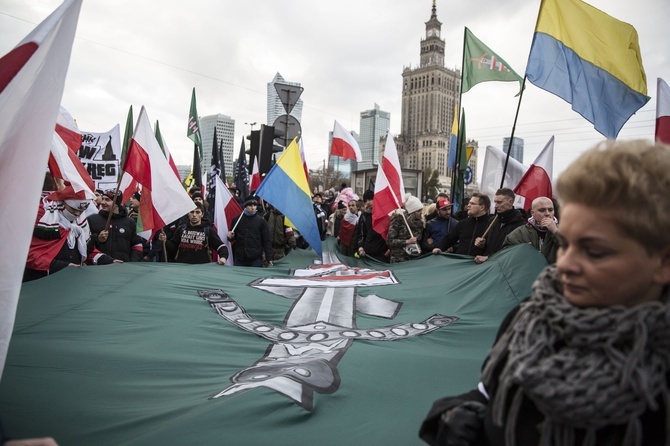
{"x": 344, "y": 145}
{"x": 32, "y": 77}
{"x": 163, "y": 197}
{"x": 536, "y": 182}
{"x": 63, "y": 160}
{"x": 255, "y": 176}
{"x": 662, "y": 133}
{"x": 389, "y": 188}
{"x": 226, "y": 208}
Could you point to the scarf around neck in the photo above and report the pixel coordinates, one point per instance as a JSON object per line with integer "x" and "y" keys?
{"x": 582, "y": 368}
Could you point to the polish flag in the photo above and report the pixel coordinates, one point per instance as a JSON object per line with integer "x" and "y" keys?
{"x": 226, "y": 208}
{"x": 536, "y": 182}
{"x": 163, "y": 197}
{"x": 389, "y": 188}
{"x": 344, "y": 145}
{"x": 63, "y": 160}
{"x": 255, "y": 176}
{"x": 65, "y": 164}
{"x": 662, "y": 112}
{"x": 348, "y": 228}
{"x": 32, "y": 77}
{"x": 68, "y": 131}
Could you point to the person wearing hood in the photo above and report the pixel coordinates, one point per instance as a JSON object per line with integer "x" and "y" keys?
{"x": 61, "y": 236}
{"x": 120, "y": 239}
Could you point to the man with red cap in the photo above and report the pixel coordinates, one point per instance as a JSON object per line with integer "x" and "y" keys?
{"x": 61, "y": 236}
{"x": 440, "y": 226}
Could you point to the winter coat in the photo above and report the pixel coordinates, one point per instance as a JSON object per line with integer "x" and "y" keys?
{"x": 123, "y": 243}
{"x": 528, "y": 234}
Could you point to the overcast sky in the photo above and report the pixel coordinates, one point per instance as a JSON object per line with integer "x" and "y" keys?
{"x": 348, "y": 55}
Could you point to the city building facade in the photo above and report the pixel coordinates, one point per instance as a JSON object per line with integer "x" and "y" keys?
{"x": 225, "y": 133}
{"x": 516, "y": 151}
{"x": 374, "y": 126}
{"x": 430, "y": 99}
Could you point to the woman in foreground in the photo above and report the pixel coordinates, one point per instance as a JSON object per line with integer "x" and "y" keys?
{"x": 586, "y": 359}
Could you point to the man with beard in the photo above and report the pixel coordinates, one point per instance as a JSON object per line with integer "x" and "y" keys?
{"x": 192, "y": 242}
{"x": 120, "y": 239}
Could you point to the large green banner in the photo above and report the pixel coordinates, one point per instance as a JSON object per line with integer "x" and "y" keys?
{"x": 344, "y": 352}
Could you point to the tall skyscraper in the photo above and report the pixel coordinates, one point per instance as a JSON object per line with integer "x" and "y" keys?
{"x": 430, "y": 94}
{"x": 275, "y": 107}
{"x": 517, "y": 148}
{"x": 375, "y": 125}
{"x": 225, "y": 131}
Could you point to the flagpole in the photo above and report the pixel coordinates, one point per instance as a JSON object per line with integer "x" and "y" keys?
{"x": 122, "y": 165}
{"x": 511, "y": 138}
{"x": 458, "y": 120}
{"x": 523, "y": 87}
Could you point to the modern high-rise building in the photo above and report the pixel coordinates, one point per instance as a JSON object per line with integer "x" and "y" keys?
{"x": 225, "y": 133}
{"x": 430, "y": 94}
{"x": 275, "y": 107}
{"x": 375, "y": 125}
{"x": 516, "y": 151}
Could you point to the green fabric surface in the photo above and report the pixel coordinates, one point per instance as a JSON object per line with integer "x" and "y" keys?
{"x": 130, "y": 354}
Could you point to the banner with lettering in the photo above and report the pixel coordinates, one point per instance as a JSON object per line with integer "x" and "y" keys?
{"x": 101, "y": 154}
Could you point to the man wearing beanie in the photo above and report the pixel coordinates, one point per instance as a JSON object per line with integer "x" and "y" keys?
{"x": 404, "y": 244}
{"x": 370, "y": 242}
{"x": 251, "y": 237}
{"x": 120, "y": 239}
{"x": 61, "y": 236}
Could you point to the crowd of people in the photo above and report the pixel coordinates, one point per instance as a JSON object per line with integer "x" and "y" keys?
{"x": 104, "y": 230}
{"x": 584, "y": 360}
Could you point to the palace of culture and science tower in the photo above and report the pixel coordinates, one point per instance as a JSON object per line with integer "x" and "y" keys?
{"x": 430, "y": 95}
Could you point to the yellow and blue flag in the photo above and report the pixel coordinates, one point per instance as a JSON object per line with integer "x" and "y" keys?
{"x": 285, "y": 187}
{"x": 453, "y": 142}
{"x": 591, "y": 60}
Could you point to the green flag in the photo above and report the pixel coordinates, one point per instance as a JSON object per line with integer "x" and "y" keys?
{"x": 193, "y": 131}
{"x": 481, "y": 64}
{"x": 127, "y": 135}
{"x": 143, "y": 353}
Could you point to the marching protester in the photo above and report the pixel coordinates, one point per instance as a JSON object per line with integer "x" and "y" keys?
{"x": 540, "y": 231}
{"x": 251, "y": 237}
{"x": 193, "y": 242}
{"x": 335, "y": 219}
{"x": 283, "y": 239}
{"x": 505, "y": 220}
{"x": 348, "y": 236}
{"x": 439, "y": 226}
{"x": 370, "y": 243}
{"x": 320, "y": 214}
{"x": 461, "y": 240}
{"x": 61, "y": 236}
{"x": 120, "y": 239}
{"x": 406, "y": 231}
{"x": 585, "y": 360}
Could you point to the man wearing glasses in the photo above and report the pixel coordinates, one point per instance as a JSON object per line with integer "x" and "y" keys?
{"x": 462, "y": 238}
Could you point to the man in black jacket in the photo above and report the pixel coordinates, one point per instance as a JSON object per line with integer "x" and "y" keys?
{"x": 251, "y": 237}
{"x": 370, "y": 242}
{"x": 461, "y": 239}
{"x": 193, "y": 242}
{"x": 120, "y": 239}
{"x": 505, "y": 221}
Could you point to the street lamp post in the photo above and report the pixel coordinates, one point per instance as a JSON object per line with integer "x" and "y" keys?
{"x": 252, "y": 124}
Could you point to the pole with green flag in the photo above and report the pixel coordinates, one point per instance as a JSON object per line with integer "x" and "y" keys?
{"x": 193, "y": 133}
{"x": 481, "y": 64}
